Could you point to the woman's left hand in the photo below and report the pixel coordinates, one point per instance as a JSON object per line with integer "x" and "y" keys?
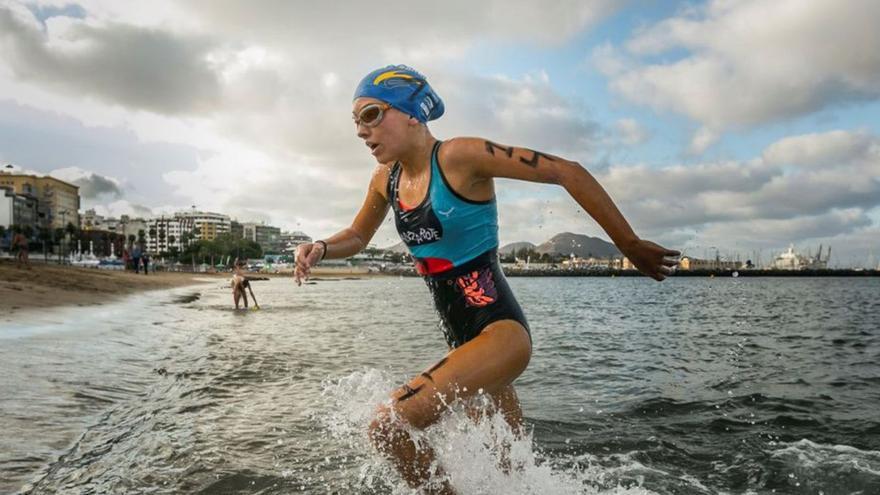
{"x": 651, "y": 259}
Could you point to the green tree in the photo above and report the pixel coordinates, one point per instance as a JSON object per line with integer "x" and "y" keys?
{"x": 162, "y": 247}
{"x": 44, "y": 235}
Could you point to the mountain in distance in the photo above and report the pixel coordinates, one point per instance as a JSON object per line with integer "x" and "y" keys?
{"x": 582, "y": 246}
{"x": 515, "y": 246}
{"x": 564, "y": 244}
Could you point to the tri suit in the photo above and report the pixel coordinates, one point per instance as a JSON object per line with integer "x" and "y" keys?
{"x": 454, "y": 242}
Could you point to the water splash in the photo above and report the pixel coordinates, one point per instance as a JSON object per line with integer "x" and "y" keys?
{"x": 828, "y": 468}
{"x": 478, "y": 450}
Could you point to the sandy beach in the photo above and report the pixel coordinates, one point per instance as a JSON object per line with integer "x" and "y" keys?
{"x": 45, "y": 286}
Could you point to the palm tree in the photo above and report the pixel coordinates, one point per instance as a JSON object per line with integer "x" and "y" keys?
{"x": 162, "y": 247}
{"x": 59, "y": 239}
{"x": 71, "y": 231}
{"x": 45, "y": 236}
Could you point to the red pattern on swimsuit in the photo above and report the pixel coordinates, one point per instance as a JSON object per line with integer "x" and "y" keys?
{"x": 478, "y": 288}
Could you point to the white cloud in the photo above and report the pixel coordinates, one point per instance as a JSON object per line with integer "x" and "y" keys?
{"x": 702, "y": 140}
{"x": 777, "y": 198}
{"x": 830, "y": 149}
{"x": 136, "y": 67}
{"x": 630, "y": 132}
{"x": 254, "y": 121}
{"x": 91, "y": 185}
{"x": 751, "y": 62}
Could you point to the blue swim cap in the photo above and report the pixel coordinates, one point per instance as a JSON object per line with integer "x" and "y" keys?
{"x": 403, "y": 88}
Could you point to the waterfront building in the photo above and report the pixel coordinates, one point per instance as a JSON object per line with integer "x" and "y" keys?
{"x": 91, "y": 220}
{"x": 236, "y": 229}
{"x": 290, "y": 240}
{"x": 18, "y": 209}
{"x": 692, "y": 263}
{"x": 165, "y": 234}
{"x": 206, "y": 225}
{"x": 577, "y": 263}
{"x": 791, "y": 260}
{"x": 267, "y": 236}
{"x": 59, "y": 199}
{"x": 124, "y": 226}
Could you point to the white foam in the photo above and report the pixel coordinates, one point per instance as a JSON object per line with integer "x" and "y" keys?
{"x": 805, "y": 454}
{"x": 470, "y": 452}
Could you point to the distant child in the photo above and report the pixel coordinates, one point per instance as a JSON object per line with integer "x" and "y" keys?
{"x": 20, "y": 242}
{"x": 239, "y": 283}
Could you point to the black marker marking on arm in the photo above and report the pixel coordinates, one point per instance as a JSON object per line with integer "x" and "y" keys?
{"x": 534, "y": 161}
{"x": 490, "y": 148}
{"x": 427, "y": 374}
{"x": 408, "y": 392}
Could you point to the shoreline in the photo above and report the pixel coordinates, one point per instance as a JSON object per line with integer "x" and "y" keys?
{"x": 45, "y": 286}
{"x": 49, "y": 286}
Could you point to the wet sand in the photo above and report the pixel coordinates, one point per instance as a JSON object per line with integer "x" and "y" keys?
{"x": 47, "y": 286}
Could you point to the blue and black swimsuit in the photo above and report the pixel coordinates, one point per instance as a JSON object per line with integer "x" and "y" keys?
{"x": 454, "y": 242}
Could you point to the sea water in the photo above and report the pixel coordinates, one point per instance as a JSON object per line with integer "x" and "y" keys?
{"x": 748, "y": 385}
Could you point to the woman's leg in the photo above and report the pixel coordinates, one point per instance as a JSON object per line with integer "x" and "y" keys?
{"x": 236, "y": 293}
{"x": 487, "y": 364}
{"x": 506, "y": 403}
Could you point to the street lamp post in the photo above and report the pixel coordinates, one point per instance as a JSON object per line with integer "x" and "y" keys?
{"x": 63, "y": 214}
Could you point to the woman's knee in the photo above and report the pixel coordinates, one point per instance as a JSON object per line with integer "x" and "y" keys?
{"x": 517, "y": 343}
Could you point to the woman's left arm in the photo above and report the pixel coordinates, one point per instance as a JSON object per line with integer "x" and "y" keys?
{"x": 488, "y": 160}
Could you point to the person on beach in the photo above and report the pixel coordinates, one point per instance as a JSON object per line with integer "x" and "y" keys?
{"x": 442, "y": 197}
{"x": 239, "y": 283}
{"x": 21, "y": 247}
{"x": 136, "y": 257}
{"x": 145, "y": 260}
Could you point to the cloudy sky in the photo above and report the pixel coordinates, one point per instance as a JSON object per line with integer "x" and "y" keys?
{"x": 738, "y": 125}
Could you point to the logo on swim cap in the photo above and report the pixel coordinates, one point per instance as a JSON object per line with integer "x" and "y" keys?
{"x": 391, "y": 74}
{"x": 405, "y": 89}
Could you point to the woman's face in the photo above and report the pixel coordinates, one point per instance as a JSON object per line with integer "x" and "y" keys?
{"x": 385, "y": 138}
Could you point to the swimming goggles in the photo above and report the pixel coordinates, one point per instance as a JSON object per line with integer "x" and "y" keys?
{"x": 371, "y": 115}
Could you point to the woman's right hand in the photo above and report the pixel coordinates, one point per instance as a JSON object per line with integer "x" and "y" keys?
{"x": 307, "y": 256}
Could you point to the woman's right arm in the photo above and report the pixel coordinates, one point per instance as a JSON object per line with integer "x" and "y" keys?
{"x": 350, "y": 241}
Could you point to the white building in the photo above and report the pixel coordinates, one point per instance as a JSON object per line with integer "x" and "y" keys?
{"x": 165, "y": 234}
{"x": 206, "y": 224}
{"x": 290, "y": 240}
{"x": 18, "y": 209}
{"x": 790, "y": 260}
